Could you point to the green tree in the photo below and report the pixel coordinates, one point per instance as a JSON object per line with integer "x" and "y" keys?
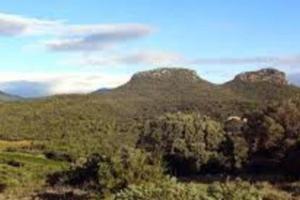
{"x": 189, "y": 143}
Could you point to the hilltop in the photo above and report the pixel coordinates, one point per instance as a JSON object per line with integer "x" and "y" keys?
{"x": 269, "y": 75}
{"x": 263, "y": 85}
{"x": 178, "y": 89}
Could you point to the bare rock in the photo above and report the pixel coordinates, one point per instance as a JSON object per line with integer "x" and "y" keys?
{"x": 264, "y": 75}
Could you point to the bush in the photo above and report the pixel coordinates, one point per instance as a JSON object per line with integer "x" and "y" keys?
{"x": 237, "y": 190}
{"x": 167, "y": 189}
{"x": 236, "y": 149}
{"x": 58, "y": 156}
{"x": 110, "y": 174}
{"x": 273, "y": 137}
{"x": 189, "y": 143}
{"x": 3, "y": 186}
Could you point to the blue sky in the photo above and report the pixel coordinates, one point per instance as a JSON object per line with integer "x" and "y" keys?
{"x": 70, "y": 46}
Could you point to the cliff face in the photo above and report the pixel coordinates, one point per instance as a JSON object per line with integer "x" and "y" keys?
{"x": 264, "y": 75}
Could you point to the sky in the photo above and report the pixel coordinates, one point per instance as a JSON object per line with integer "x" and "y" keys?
{"x": 74, "y": 46}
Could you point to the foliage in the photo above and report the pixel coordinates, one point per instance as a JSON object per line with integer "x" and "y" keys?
{"x": 167, "y": 189}
{"x": 273, "y": 137}
{"x": 21, "y": 173}
{"x": 237, "y": 190}
{"x": 109, "y": 174}
{"x": 189, "y": 142}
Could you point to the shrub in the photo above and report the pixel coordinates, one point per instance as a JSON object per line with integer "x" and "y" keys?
{"x": 236, "y": 149}
{"x": 3, "y": 186}
{"x": 110, "y": 174}
{"x": 237, "y": 190}
{"x": 167, "y": 189}
{"x": 188, "y": 142}
{"x": 273, "y": 136}
{"x": 59, "y": 156}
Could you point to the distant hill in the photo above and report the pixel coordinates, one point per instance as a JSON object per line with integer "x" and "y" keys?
{"x": 7, "y": 97}
{"x": 147, "y": 95}
{"x": 102, "y": 90}
{"x": 26, "y": 89}
{"x": 267, "y": 75}
{"x": 263, "y": 85}
{"x": 178, "y": 89}
{"x": 294, "y": 79}
{"x": 174, "y": 89}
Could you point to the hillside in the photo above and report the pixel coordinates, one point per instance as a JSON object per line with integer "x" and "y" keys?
{"x": 170, "y": 90}
{"x": 174, "y": 89}
{"x": 146, "y": 95}
{"x": 263, "y": 85}
{"x": 7, "y": 97}
{"x": 100, "y": 143}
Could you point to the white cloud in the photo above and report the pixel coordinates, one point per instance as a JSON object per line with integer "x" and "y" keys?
{"x": 15, "y": 25}
{"x": 290, "y": 60}
{"x": 96, "y": 37}
{"x": 72, "y": 37}
{"x": 144, "y": 58}
{"x": 59, "y": 83}
{"x": 157, "y": 58}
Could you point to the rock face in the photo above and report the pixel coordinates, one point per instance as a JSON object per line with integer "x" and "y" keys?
{"x": 264, "y": 75}
{"x": 167, "y": 74}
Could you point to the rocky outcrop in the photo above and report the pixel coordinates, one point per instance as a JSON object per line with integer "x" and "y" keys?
{"x": 167, "y": 74}
{"x": 264, "y": 75}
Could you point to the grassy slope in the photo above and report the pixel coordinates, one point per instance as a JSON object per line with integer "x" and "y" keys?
{"x": 8, "y": 97}
{"x": 24, "y": 173}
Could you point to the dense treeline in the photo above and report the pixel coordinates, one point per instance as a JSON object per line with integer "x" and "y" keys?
{"x": 262, "y": 141}
{"x": 188, "y": 144}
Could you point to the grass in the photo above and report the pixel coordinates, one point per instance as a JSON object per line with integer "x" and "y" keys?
{"x": 4, "y": 144}
{"x": 24, "y": 173}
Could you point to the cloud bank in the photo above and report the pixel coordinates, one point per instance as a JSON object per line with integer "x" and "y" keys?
{"x": 43, "y": 84}
{"x": 15, "y": 25}
{"x": 96, "y": 37}
{"x": 158, "y": 58}
{"x": 269, "y": 60}
{"x": 72, "y": 37}
{"x": 144, "y": 58}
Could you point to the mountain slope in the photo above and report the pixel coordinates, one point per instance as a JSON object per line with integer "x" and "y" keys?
{"x": 263, "y": 85}
{"x": 146, "y": 95}
{"x": 174, "y": 89}
{"x": 7, "y": 97}
{"x": 177, "y": 89}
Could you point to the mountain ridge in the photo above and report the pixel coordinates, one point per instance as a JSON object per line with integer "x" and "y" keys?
{"x": 270, "y": 75}
{"x": 178, "y": 89}
{"x": 8, "y": 97}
